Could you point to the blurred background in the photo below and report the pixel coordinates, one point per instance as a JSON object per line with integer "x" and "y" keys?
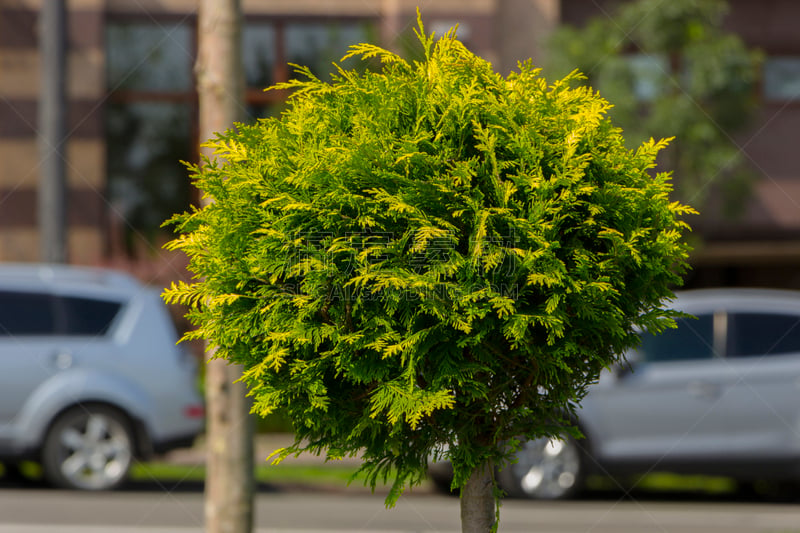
{"x": 723, "y": 77}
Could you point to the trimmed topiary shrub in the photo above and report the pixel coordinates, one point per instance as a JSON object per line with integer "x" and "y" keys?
{"x": 429, "y": 259}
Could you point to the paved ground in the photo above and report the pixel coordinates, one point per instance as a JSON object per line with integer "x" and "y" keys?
{"x": 159, "y": 511}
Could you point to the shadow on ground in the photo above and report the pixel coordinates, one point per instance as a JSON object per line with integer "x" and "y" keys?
{"x": 13, "y": 480}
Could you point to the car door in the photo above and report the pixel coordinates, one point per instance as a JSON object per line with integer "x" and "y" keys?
{"x": 661, "y": 410}
{"x": 27, "y": 353}
{"x": 762, "y": 383}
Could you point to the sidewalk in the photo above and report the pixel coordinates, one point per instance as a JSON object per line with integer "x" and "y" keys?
{"x": 264, "y": 444}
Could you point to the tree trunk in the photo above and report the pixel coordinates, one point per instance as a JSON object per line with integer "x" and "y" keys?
{"x": 229, "y": 462}
{"x": 229, "y": 475}
{"x": 478, "y": 507}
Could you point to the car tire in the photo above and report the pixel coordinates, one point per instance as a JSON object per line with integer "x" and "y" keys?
{"x": 88, "y": 448}
{"x": 545, "y": 469}
{"x": 442, "y": 478}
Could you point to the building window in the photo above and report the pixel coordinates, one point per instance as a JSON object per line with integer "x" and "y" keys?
{"x": 149, "y": 57}
{"x": 319, "y": 45}
{"x": 151, "y": 116}
{"x": 269, "y": 47}
{"x": 781, "y": 78}
{"x": 259, "y": 54}
{"x": 147, "y": 183}
{"x": 148, "y": 127}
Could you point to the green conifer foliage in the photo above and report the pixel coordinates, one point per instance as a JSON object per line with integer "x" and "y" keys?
{"x": 428, "y": 259}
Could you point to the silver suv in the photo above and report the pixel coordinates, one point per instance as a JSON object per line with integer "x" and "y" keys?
{"x": 90, "y": 374}
{"x": 719, "y": 395}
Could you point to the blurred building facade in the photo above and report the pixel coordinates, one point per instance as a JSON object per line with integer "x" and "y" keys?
{"x": 132, "y": 111}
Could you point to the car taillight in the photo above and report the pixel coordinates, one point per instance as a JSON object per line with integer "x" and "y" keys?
{"x": 194, "y": 411}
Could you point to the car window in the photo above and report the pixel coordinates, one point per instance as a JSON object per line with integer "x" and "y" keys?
{"x": 86, "y": 316}
{"x": 759, "y": 334}
{"x": 32, "y": 313}
{"x": 26, "y": 313}
{"x": 692, "y": 339}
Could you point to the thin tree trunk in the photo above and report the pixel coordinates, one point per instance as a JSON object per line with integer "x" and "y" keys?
{"x": 229, "y": 475}
{"x": 478, "y": 507}
{"x": 229, "y": 489}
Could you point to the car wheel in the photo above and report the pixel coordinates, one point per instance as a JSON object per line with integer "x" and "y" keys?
{"x": 442, "y": 478}
{"x": 89, "y": 448}
{"x": 545, "y": 468}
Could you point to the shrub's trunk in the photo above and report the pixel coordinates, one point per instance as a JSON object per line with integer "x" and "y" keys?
{"x": 477, "y": 501}
{"x": 230, "y": 487}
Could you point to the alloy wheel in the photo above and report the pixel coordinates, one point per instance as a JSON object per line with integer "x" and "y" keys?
{"x": 89, "y": 449}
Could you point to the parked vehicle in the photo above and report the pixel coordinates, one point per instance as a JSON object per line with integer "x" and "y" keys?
{"x": 719, "y": 395}
{"x": 91, "y": 377}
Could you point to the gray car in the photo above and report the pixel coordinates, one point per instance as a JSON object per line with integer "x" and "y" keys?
{"x": 719, "y": 395}
{"x": 91, "y": 377}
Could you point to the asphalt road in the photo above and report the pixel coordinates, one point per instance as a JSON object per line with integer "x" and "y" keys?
{"x": 160, "y": 509}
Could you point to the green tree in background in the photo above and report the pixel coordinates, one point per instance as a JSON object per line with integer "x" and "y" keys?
{"x": 429, "y": 260}
{"x": 671, "y": 69}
